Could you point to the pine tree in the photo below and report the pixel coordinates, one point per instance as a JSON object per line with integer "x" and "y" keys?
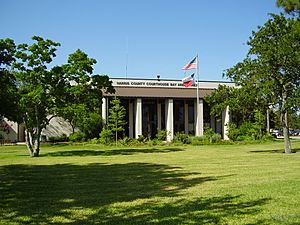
{"x": 116, "y": 117}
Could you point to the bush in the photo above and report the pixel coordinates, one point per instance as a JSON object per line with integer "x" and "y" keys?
{"x": 182, "y": 138}
{"x": 215, "y": 138}
{"x": 94, "y": 141}
{"x": 248, "y": 131}
{"x": 127, "y": 141}
{"x": 208, "y": 132}
{"x": 106, "y": 136}
{"x": 62, "y": 138}
{"x": 77, "y": 137}
{"x": 153, "y": 142}
{"x": 267, "y": 137}
{"x": 233, "y": 132}
{"x": 141, "y": 138}
{"x": 90, "y": 125}
{"x": 200, "y": 138}
{"x": 161, "y": 135}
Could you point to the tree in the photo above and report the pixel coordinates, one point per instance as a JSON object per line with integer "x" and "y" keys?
{"x": 83, "y": 94}
{"x": 273, "y": 65}
{"x": 36, "y": 88}
{"x": 44, "y": 92}
{"x": 243, "y": 101}
{"x": 8, "y": 93}
{"x": 290, "y": 6}
{"x": 116, "y": 117}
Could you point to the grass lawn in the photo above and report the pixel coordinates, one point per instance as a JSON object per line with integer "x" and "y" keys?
{"x": 87, "y": 184}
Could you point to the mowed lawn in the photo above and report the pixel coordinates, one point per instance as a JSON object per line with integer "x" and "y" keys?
{"x": 88, "y": 184}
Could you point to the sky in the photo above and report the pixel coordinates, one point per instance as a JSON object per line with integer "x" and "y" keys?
{"x": 141, "y": 38}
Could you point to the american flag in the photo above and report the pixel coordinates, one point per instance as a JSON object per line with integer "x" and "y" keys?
{"x": 191, "y": 65}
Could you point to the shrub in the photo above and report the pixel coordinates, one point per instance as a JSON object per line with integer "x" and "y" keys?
{"x": 62, "y": 138}
{"x": 200, "y": 138}
{"x": 94, "y": 141}
{"x": 106, "y": 136}
{"x": 182, "y": 138}
{"x": 90, "y": 125}
{"x": 215, "y": 138}
{"x": 153, "y": 142}
{"x": 233, "y": 132}
{"x": 127, "y": 141}
{"x": 141, "y": 138}
{"x": 267, "y": 137}
{"x": 161, "y": 135}
{"x": 77, "y": 137}
{"x": 208, "y": 132}
{"x": 246, "y": 132}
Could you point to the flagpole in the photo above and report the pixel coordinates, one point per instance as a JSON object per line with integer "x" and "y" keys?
{"x": 197, "y": 100}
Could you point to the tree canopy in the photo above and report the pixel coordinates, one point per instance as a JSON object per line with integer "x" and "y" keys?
{"x": 41, "y": 92}
{"x": 270, "y": 73}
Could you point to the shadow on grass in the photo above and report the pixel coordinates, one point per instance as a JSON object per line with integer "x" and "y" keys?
{"x": 133, "y": 193}
{"x": 281, "y": 151}
{"x": 111, "y": 152}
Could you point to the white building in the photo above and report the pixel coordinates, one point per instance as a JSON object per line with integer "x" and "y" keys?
{"x": 151, "y": 105}
{"x": 154, "y": 104}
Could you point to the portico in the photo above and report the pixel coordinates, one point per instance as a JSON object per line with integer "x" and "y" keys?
{"x": 153, "y": 105}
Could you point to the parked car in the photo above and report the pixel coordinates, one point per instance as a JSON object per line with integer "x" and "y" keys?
{"x": 277, "y": 133}
{"x": 294, "y": 132}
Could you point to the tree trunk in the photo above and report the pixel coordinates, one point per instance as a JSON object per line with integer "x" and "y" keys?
{"x": 37, "y": 143}
{"x": 28, "y": 139}
{"x": 268, "y": 121}
{"x": 287, "y": 143}
{"x": 36, "y": 149}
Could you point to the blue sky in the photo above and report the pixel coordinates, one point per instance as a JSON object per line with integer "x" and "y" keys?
{"x": 150, "y": 36}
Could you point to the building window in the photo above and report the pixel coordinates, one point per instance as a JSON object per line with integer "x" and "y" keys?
{"x": 178, "y": 116}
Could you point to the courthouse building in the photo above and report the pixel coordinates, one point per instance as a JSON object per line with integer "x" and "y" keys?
{"x": 151, "y": 105}
{"x": 154, "y": 104}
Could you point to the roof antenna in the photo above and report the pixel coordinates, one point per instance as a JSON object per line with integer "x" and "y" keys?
{"x": 126, "y": 67}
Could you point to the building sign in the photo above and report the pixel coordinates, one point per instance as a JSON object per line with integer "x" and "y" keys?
{"x": 162, "y": 83}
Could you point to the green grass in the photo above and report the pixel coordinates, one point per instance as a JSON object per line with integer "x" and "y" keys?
{"x": 86, "y": 184}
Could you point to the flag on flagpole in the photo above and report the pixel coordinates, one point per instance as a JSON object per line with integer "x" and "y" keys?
{"x": 191, "y": 65}
{"x": 188, "y": 81}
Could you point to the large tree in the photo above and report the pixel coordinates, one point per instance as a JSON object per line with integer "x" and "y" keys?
{"x": 83, "y": 94}
{"x": 272, "y": 65}
{"x": 35, "y": 87}
{"x": 45, "y": 92}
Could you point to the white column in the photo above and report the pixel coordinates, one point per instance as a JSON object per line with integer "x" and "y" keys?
{"x": 158, "y": 116}
{"x": 169, "y": 120}
{"x": 225, "y": 122}
{"x": 104, "y": 110}
{"x": 186, "y": 118}
{"x": 130, "y": 114}
{"x": 199, "y": 118}
{"x": 138, "y": 117}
